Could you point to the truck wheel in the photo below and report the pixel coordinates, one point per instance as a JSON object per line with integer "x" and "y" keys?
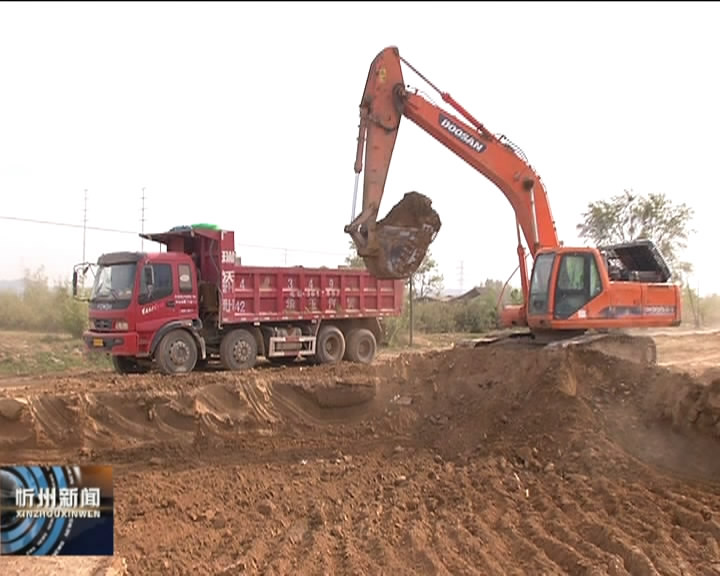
{"x": 177, "y": 353}
{"x": 128, "y": 365}
{"x": 238, "y": 350}
{"x": 361, "y": 346}
{"x": 330, "y": 345}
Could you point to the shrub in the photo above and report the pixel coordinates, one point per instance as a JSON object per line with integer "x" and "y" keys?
{"x": 43, "y": 308}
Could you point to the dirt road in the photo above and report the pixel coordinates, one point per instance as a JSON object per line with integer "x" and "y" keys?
{"x": 485, "y": 461}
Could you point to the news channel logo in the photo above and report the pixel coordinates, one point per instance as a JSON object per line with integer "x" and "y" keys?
{"x": 56, "y": 510}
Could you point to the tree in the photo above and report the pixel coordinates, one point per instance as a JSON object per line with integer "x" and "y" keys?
{"x": 352, "y": 260}
{"x": 516, "y": 297}
{"x": 631, "y": 216}
{"x": 427, "y": 280}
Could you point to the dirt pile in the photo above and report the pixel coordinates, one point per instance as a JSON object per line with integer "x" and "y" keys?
{"x": 468, "y": 461}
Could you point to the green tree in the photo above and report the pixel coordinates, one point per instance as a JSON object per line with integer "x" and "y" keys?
{"x": 42, "y": 307}
{"x": 352, "y": 260}
{"x": 427, "y": 280}
{"x": 629, "y": 216}
{"x": 516, "y": 297}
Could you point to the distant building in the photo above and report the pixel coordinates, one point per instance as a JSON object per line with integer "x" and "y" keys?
{"x": 471, "y": 294}
{"x": 455, "y": 295}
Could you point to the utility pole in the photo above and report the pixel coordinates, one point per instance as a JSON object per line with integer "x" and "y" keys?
{"x": 461, "y": 274}
{"x": 84, "y": 225}
{"x": 142, "y": 221}
{"x": 412, "y": 320}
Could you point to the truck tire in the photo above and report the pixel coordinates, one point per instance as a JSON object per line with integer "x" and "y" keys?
{"x": 128, "y": 365}
{"x": 177, "y": 353}
{"x": 330, "y": 345}
{"x": 361, "y": 346}
{"x": 238, "y": 350}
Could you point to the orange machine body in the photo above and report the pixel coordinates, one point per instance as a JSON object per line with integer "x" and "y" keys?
{"x": 570, "y": 288}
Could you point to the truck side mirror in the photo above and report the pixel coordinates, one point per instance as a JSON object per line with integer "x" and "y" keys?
{"x": 74, "y": 283}
{"x": 148, "y": 276}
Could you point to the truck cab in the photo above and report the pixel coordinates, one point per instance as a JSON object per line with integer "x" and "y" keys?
{"x": 136, "y": 299}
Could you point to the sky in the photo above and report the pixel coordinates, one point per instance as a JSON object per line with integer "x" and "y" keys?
{"x": 245, "y": 115}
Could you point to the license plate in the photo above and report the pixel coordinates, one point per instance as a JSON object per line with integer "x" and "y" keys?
{"x": 98, "y": 342}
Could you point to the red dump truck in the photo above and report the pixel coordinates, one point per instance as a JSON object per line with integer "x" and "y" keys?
{"x": 196, "y": 303}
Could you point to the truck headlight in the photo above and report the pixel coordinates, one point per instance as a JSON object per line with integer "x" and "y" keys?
{"x": 121, "y": 325}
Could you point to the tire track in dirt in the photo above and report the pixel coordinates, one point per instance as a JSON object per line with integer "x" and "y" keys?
{"x": 455, "y": 462}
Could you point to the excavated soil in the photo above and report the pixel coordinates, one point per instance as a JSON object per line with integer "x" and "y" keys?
{"x": 466, "y": 461}
{"x": 404, "y": 236}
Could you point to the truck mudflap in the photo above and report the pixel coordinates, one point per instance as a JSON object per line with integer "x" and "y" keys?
{"x": 116, "y": 343}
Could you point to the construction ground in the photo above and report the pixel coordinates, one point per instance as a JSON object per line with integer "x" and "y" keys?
{"x": 445, "y": 461}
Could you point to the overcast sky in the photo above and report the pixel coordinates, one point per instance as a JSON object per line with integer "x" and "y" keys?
{"x": 245, "y": 115}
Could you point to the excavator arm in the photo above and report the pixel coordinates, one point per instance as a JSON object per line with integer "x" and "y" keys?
{"x": 395, "y": 246}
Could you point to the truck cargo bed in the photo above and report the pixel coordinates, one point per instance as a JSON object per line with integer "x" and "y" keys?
{"x": 264, "y": 294}
{"x": 261, "y": 294}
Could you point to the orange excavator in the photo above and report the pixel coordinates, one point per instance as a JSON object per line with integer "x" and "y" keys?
{"x": 573, "y": 294}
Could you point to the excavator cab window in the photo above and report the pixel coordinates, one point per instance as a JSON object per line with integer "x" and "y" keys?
{"x": 578, "y": 282}
{"x": 540, "y": 284}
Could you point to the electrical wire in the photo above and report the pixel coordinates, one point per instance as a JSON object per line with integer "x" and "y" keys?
{"x": 65, "y": 224}
{"x": 119, "y": 231}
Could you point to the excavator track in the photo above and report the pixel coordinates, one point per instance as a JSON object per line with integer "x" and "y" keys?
{"x": 639, "y": 349}
{"x": 634, "y": 348}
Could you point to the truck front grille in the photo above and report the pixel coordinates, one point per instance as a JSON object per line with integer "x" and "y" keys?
{"x": 102, "y": 325}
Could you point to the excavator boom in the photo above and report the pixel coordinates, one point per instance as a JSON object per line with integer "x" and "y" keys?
{"x": 395, "y": 246}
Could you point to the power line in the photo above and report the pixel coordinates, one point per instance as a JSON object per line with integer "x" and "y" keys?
{"x": 134, "y": 232}
{"x": 66, "y": 225}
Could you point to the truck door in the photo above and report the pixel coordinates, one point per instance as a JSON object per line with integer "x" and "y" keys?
{"x": 156, "y": 302}
{"x": 186, "y": 296}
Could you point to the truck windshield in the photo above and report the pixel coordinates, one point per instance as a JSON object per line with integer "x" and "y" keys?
{"x": 114, "y": 282}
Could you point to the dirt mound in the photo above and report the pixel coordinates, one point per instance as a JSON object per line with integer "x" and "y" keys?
{"x": 696, "y": 352}
{"x": 710, "y": 375}
{"x": 116, "y": 413}
{"x": 489, "y": 461}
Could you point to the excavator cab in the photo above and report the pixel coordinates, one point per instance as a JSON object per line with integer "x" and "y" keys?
{"x": 620, "y": 286}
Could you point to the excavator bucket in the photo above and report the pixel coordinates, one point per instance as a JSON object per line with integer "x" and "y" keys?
{"x": 402, "y": 238}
